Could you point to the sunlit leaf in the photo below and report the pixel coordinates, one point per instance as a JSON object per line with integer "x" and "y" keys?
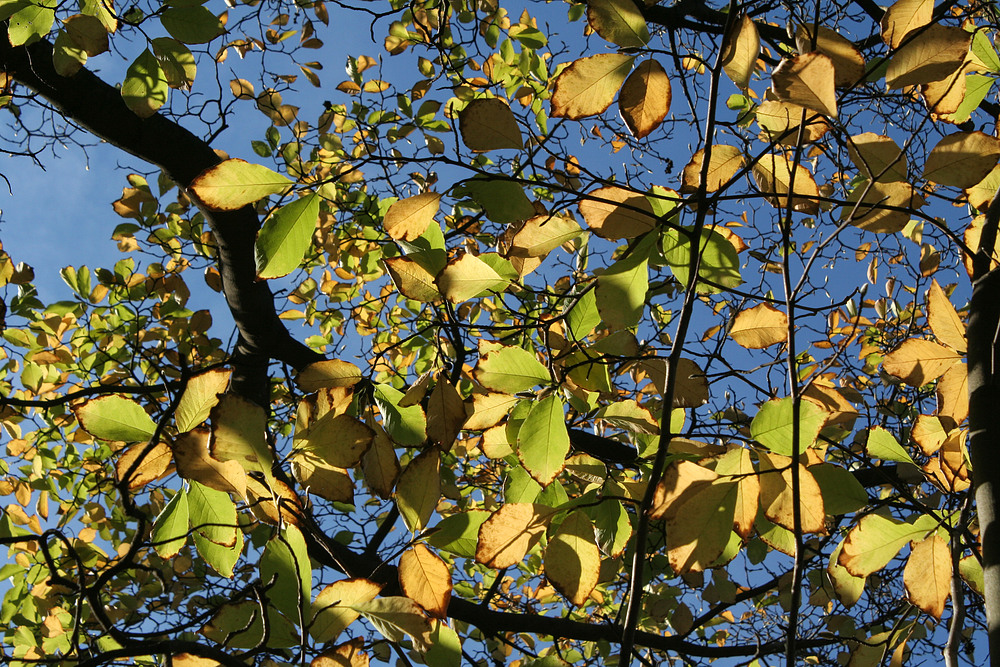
{"x": 510, "y": 532}
{"x": 588, "y": 86}
{"x": 194, "y": 462}
{"x": 408, "y": 218}
{"x": 962, "y": 159}
{"x": 777, "y": 498}
{"x": 466, "y": 277}
{"x": 725, "y": 161}
{"x": 141, "y": 464}
{"x": 644, "y": 100}
{"x": 772, "y": 425}
{"x": 396, "y": 618}
{"x": 740, "y": 51}
{"x": 145, "y": 87}
{"x": 171, "y": 527}
{"x": 542, "y": 234}
{"x": 881, "y": 207}
{"x": 191, "y": 23}
{"x": 848, "y": 63}
{"x": 808, "y": 81}
{"x": 572, "y": 559}
{"x": 115, "y": 418}
{"x": 621, "y": 288}
{"x": 878, "y": 157}
{"x": 917, "y": 361}
{"x": 339, "y": 440}
{"x": 234, "y": 183}
{"x": 419, "y": 489}
{"x": 488, "y": 124}
{"x": 328, "y": 373}
{"x": 407, "y": 425}
{"x": 875, "y": 540}
{"x": 933, "y": 54}
{"x": 617, "y": 213}
{"x": 286, "y": 236}
{"x": 425, "y": 579}
{"x": 618, "y": 21}
{"x": 238, "y": 434}
{"x": 927, "y": 575}
{"x": 510, "y": 370}
{"x": 883, "y": 445}
{"x": 543, "y": 441}
{"x": 200, "y": 395}
{"x": 332, "y": 610}
{"x": 903, "y": 17}
{"x": 774, "y": 176}
{"x": 720, "y": 264}
{"x": 285, "y": 562}
{"x": 760, "y": 327}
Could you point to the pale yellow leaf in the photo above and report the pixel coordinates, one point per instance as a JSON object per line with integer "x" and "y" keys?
{"x": 722, "y": 166}
{"x": 917, "y": 361}
{"x": 933, "y": 54}
{"x": 881, "y": 207}
{"x": 380, "y": 464}
{"x": 877, "y": 157}
{"x": 328, "y": 373}
{"x": 194, "y": 462}
{"x": 943, "y": 319}
{"x": 489, "y": 409}
{"x": 412, "y": 280}
{"x": 904, "y": 16}
{"x": 408, "y": 218}
{"x": 953, "y": 393}
{"x": 445, "y": 413}
{"x": 777, "y": 499}
{"x": 773, "y": 173}
{"x": 232, "y": 184}
{"x": 735, "y": 465}
{"x": 616, "y": 213}
{"x": 848, "y": 63}
{"x": 419, "y": 490}
{"x": 781, "y": 121}
{"x": 962, "y": 159}
{"x": 466, "y": 277}
{"x": 618, "y": 21}
{"x": 588, "y": 86}
{"x": 572, "y": 558}
{"x": 542, "y": 234}
{"x": 644, "y": 100}
{"x": 808, "y": 81}
{"x": 760, "y": 327}
{"x": 739, "y": 54}
{"x": 927, "y": 575}
{"x": 332, "y": 611}
{"x": 321, "y": 479}
{"x": 141, "y": 464}
{"x": 200, "y": 395}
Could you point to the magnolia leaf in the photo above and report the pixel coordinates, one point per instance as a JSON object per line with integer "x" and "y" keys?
{"x": 740, "y": 51}
{"x": 971, "y": 571}
{"x": 502, "y": 200}
{"x": 445, "y": 413}
{"x": 616, "y": 213}
{"x": 846, "y": 587}
{"x": 736, "y": 465}
{"x": 407, "y": 425}
{"x": 629, "y": 415}
{"x": 239, "y": 429}
{"x": 875, "y": 540}
{"x": 222, "y": 558}
{"x": 348, "y": 654}
{"x": 396, "y": 617}
{"x": 170, "y": 529}
{"x": 842, "y": 492}
{"x": 943, "y": 319}
{"x": 644, "y": 100}
{"x": 419, "y": 490}
{"x": 781, "y": 122}
{"x": 723, "y": 164}
{"x": 380, "y": 464}
{"x": 932, "y": 54}
{"x": 848, "y": 63}
{"x": 572, "y": 559}
{"x": 773, "y": 173}
{"x": 691, "y": 386}
{"x": 510, "y": 370}
{"x": 425, "y": 579}
{"x": 286, "y": 236}
{"x": 510, "y": 532}
{"x": 543, "y": 440}
{"x": 145, "y": 87}
{"x": 488, "y": 409}
{"x": 339, "y": 440}
{"x": 720, "y": 264}
{"x": 191, "y": 23}
{"x": 241, "y": 625}
{"x": 488, "y": 124}
{"x": 67, "y": 57}
{"x": 115, "y": 418}
{"x": 177, "y": 61}
{"x": 927, "y": 575}
{"x": 883, "y": 208}
{"x": 213, "y": 515}
{"x": 28, "y": 24}
{"x": 877, "y": 157}
{"x": 542, "y": 234}
{"x": 412, "y": 280}
{"x": 760, "y": 327}
{"x": 903, "y": 17}
{"x": 445, "y": 646}
{"x": 328, "y": 373}
{"x": 201, "y": 394}
{"x": 883, "y": 445}
{"x": 320, "y": 479}
{"x": 772, "y": 425}
{"x": 332, "y": 610}
{"x": 408, "y": 218}
{"x": 917, "y": 361}
{"x": 88, "y": 33}
{"x": 138, "y": 467}
{"x": 194, "y": 462}
{"x": 962, "y": 159}
{"x": 588, "y": 86}
{"x": 459, "y": 533}
{"x": 618, "y": 21}
{"x": 778, "y": 500}
{"x": 621, "y": 288}
{"x": 234, "y": 183}
{"x": 953, "y": 393}
{"x": 467, "y": 277}
{"x": 285, "y": 562}
{"x": 808, "y": 81}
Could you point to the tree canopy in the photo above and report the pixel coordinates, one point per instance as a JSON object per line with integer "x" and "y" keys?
{"x": 591, "y": 333}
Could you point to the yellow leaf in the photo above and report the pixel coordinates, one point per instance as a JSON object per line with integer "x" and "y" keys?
{"x": 917, "y": 361}
{"x": 332, "y": 611}
{"x": 691, "y": 386}
{"x": 644, "y": 100}
{"x": 773, "y": 174}
{"x": 348, "y": 654}
{"x": 616, "y": 213}
{"x": 320, "y": 479}
{"x": 808, "y": 81}
{"x": 572, "y": 558}
{"x": 881, "y": 207}
{"x": 847, "y": 588}
{"x": 238, "y": 434}
{"x": 943, "y": 319}
{"x": 232, "y": 184}
{"x": 618, "y": 21}
{"x": 412, "y": 280}
{"x": 929, "y": 433}
{"x": 776, "y": 498}
{"x": 927, "y": 575}
{"x": 588, "y": 86}
{"x": 760, "y": 327}
{"x": 904, "y": 16}
{"x": 848, "y": 63}
{"x": 200, "y": 395}
{"x": 468, "y": 276}
{"x": 327, "y": 374}
{"x": 736, "y": 464}
{"x": 722, "y": 166}
{"x": 339, "y": 440}
{"x": 425, "y": 579}
{"x": 953, "y": 393}
{"x": 781, "y": 121}
{"x": 877, "y": 157}
{"x": 933, "y": 54}
{"x": 380, "y": 465}
{"x": 142, "y": 466}
{"x": 487, "y": 124}
{"x": 445, "y": 413}
{"x": 962, "y": 159}
{"x": 739, "y": 54}
{"x": 542, "y": 234}
{"x": 194, "y": 462}
{"x": 408, "y": 218}
{"x": 419, "y": 490}
{"x": 510, "y": 532}
{"x": 489, "y": 409}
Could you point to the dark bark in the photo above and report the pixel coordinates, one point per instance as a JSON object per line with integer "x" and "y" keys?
{"x": 98, "y": 107}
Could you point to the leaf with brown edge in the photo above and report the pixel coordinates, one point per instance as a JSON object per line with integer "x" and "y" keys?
{"x": 962, "y": 159}
{"x": 468, "y": 276}
{"x": 848, "y": 63}
{"x": 953, "y": 393}
{"x": 808, "y": 81}
{"x": 542, "y": 234}
{"x": 680, "y": 480}
{"x": 139, "y": 467}
{"x": 722, "y": 166}
{"x": 572, "y": 559}
{"x": 194, "y": 462}
{"x": 927, "y": 575}
{"x": 510, "y": 532}
{"x": 773, "y": 174}
{"x": 740, "y": 52}
{"x": 691, "y": 386}
{"x": 425, "y": 579}
{"x": 875, "y": 540}
{"x": 877, "y": 157}
{"x": 943, "y": 319}
{"x": 445, "y": 413}
{"x": 760, "y": 327}
{"x": 588, "y": 86}
{"x": 412, "y": 280}
{"x": 488, "y": 409}
{"x": 238, "y": 434}
{"x": 618, "y": 21}
{"x": 408, "y": 218}
{"x": 616, "y": 213}
{"x": 340, "y": 440}
{"x": 644, "y": 100}
{"x": 933, "y": 54}
{"x": 903, "y": 17}
{"x": 917, "y": 361}
{"x": 328, "y": 373}
{"x": 777, "y": 499}
{"x": 781, "y": 121}
{"x": 488, "y": 124}
{"x": 331, "y": 608}
{"x": 234, "y": 183}
{"x": 348, "y": 654}
{"x": 380, "y": 464}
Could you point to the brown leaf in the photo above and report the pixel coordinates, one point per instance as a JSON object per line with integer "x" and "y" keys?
{"x": 487, "y": 124}
{"x": 143, "y": 467}
{"x": 644, "y": 100}
{"x": 722, "y": 166}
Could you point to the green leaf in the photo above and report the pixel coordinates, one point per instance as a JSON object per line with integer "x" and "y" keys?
{"x": 406, "y": 425}
{"x": 286, "y": 236}
{"x": 719, "y": 261}
{"x": 618, "y": 21}
{"x": 395, "y": 617}
{"x": 115, "y": 418}
{"x": 467, "y": 277}
{"x": 222, "y": 559}
{"x": 445, "y": 646}
{"x": 883, "y": 445}
{"x": 145, "y": 87}
{"x": 171, "y": 527}
{"x": 519, "y": 487}
{"x": 621, "y": 289}
{"x": 875, "y": 540}
{"x": 232, "y": 184}
{"x": 30, "y": 24}
{"x": 772, "y": 425}
{"x": 458, "y": 533}
{"x": 984, "y": 50}
{"x": 419, "y": 490}
{"x": 213, "y": 516}
{"x": 177, "y": 62}
{"x": 543, "y": 441}
{"x": 583, "y": 316}
{"x": 503, "y": 201}
{"x": 192, "y": 24}
{"x": 285, "y": 561}
{"x": 977, "y": 87}
{"x": 67, "y": 57}
{"x": 842, "y": 492}
{"x": 510, "y": 370}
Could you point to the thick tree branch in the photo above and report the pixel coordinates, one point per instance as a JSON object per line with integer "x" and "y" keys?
{"x": 98, "y": 107}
